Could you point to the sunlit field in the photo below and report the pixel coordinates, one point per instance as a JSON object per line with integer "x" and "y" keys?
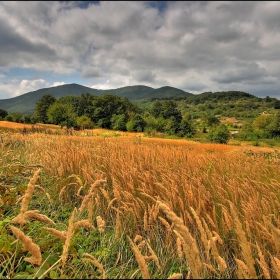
{"x": 121, "y": 205}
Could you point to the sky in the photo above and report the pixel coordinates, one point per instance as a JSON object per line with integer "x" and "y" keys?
{"x": 194, "y": 46}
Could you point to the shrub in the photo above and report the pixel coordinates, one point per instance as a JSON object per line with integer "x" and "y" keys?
{"x": 219, "y": 134}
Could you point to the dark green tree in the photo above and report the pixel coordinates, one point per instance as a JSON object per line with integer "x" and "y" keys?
{"x": 219, "y": 134}
{"x": 137, "y": 124}
{"x": 85, "y": 106}
{"x": 172, "y": 126}
{"x": 62, "y": 114}
{"x": 186, "y": 129}
{"x": 105, "y": 107}
{"x": 274, "y": 127}
{"x": 16, "y": 117}
{"x": 156, "y": 109}
{"x": 42, "y": 106}
{"x": 3, "y": 114}
{"x": 212, "y": 120}
{"x": 71, "y": 100}
{"x": 118, "y": 122}
{"x": 170, "y": 109}
{"x": 277, "y": 104}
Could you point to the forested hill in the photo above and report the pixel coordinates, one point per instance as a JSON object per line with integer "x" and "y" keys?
{"x": 26, "y": 103}
{"x": 224, "y": 96}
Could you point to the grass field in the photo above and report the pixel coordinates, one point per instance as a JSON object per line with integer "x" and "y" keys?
{"x": 90, "y": 206}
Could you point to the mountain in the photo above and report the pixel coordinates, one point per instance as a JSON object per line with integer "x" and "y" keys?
{"x": 26, "y": 103}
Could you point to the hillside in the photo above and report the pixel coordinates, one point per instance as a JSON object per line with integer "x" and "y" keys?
{"x": 26, "y": 103}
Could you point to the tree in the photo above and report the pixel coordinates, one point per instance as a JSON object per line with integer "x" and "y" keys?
{"x": 15, "y": 117}
{"x": 170, "y": 109}
{"x": 156, "y": 110}
{"x": 261, "y": 125}
{"x": 118, "y": 122}
{"x": 85, "y": 121}
{"x": 62, "y": 114}
{"x": 277, "y": 104}
{"x": 137, "y": 123}
{"x": 212, "y": 120}
{"x": 274, "y": 126}
{"x": 85, "y": 106}
{"x": 105, "y": 107}
{"x": 42, "y": 106}
{"x": 219, "y": 134}
{"x": 172, "y": 126}
{"x": 186, "y": 129}
{"x": 3, "y": 114}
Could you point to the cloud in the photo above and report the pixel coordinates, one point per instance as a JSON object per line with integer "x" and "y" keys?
{"x": 144, "y": 76}
{"x": 92, "y": 72}
{"x": 30, "y": 85}
{"x": 218, "y": 44}
{"x": 3, "y": 74}
{"x": 55, "y": 84}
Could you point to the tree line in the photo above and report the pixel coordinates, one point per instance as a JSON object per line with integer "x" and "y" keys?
{"x": 164, "y": 116}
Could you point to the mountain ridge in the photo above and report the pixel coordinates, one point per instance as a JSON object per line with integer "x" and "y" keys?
{"x": 26, "y": 102}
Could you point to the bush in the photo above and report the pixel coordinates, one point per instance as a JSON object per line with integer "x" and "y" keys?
{"x": 219, "y": 134}
{"x": 118, "y": 122}
{"x": 136, "y": 124}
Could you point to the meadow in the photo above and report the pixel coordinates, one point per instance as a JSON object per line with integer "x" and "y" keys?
{"x": 127, "y": 206}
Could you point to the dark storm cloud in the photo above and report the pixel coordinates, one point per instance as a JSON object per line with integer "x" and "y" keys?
{"x": 12, "y": 43}
{"x": 92, "y": 72}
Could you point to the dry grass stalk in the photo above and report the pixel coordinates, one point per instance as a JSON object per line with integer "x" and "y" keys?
{"x": 79, "y": 191}
{"x": 34, "y": 214}
{"x": 189, "y": 244}
{"x": 29, "y": 191}
{"x": 90, "y": 210}
{"x": 60, "y": 234}
{"x": 275, "y": 233}
{"x": 118, "y": 226}
{"x": 176, "y": 276}
{"x": 117, "y": 210}
{"x": 84, "y": 224}
{"x": 49, "y": 198}
{"x": 20, "y": 219}
{"x": 138, "y": 238}
{"x": 154, "y": 256}
{"x": 69, "y": 235}
{"x": 245, "y": 245}
{"x": 221, "y": 262}
{"x": 219, "y": 239}
{"x": 29, "y": 246}
{"x": 145, "y": 221}
{"x": 100, "y": 224}
{"x": 263, "y": 263}
{"x": 117, "y": 194}
{"x": 203, "y": 235}
{"x": 148, "y": 196}
{"x": 165, "y": 223}
{"x": 211, "y": 268}
{"x": 110, "y": 202}
{"x": 142, "y": 244}
{"x": 87, "y": 197}
{"x": 140, "y": 260}
{"x": 243, "y": 271}
{"x": 63, "y": 190}
{"x": 275, "y": 262}
{"x": 106, "y": 195}
{"x": 209, "y": 219}
{"x": 179, "y": 247}
{"x": 96, "y": 263}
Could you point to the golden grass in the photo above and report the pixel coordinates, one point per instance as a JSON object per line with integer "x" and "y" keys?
{"x": 215, "y": 206}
